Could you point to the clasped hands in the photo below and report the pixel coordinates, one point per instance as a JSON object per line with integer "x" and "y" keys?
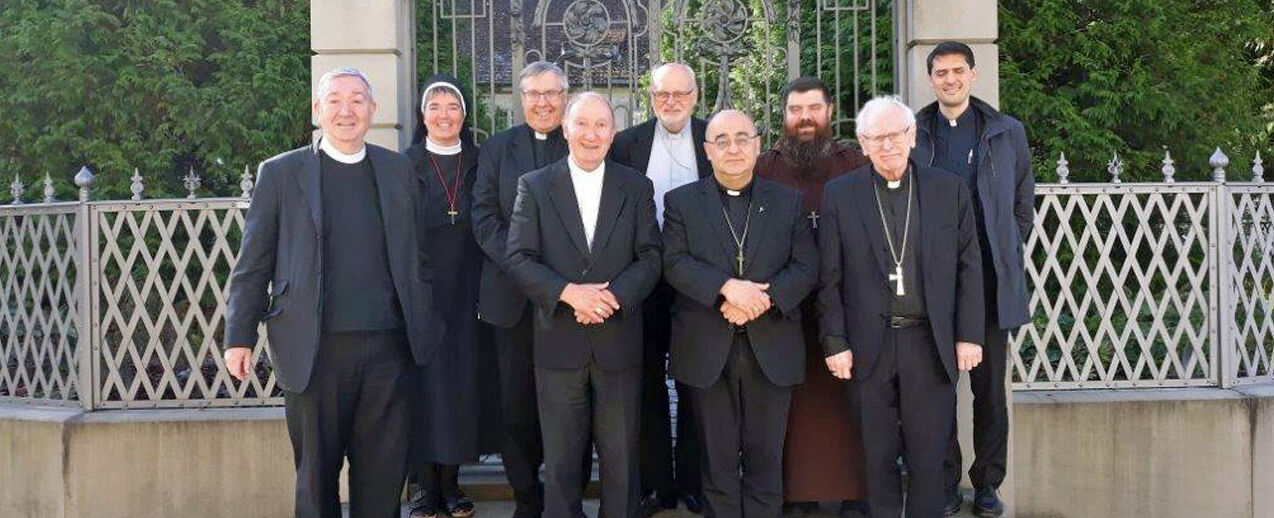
{"x": 593, "y": 303}
{"x": 744, "y": 301}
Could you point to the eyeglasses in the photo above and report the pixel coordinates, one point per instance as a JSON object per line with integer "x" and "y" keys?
{"x": 663, "y": 97}
{"x": 533, "y": 95}
{"x": 723, "y": 143}
{"x": 896, "y": 138}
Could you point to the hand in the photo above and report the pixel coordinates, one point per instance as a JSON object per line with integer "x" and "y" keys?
{"x": 968, "y": 356}
{"x": 593, "y": 303}
{"x": 238, "y": 361}
{"x": 747, "y": 295}
{"x": 841, "y": 364}
{"x": 733, "y": 314}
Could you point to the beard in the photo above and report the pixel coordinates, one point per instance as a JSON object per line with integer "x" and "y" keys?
{"x": 804, "y": 153}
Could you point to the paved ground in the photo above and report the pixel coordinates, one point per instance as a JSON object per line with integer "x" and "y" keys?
{"x": 504, "y": 509}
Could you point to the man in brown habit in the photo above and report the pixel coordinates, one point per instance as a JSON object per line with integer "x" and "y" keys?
{"x": 823, "y": 456}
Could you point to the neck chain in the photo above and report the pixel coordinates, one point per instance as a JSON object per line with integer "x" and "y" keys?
{"x": 452, "y": 193}
{"x": 738, "y": 240}
{"x": 899, "y": 290}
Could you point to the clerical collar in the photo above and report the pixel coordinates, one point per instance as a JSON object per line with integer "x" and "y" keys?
{"x": 540, "y": 136}
{"x": 439, "y": 149}
{"x": 733, "y": 193}
{"x": 892, "y": 184}
{"x": 343, "y": 158}
{"x": 575, "y": 168}
{"x": 964, "y": 118}
{"x": 665, "y": 133}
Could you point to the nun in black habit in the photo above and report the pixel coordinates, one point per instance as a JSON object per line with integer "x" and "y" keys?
{"x": 457, "y": 402}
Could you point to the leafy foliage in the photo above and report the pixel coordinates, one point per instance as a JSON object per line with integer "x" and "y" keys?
{"x": 1094, "y": 77}
{"x": 158, "y": 85}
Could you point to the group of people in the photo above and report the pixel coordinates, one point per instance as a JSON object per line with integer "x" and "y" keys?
{"x": 814, "y": 303}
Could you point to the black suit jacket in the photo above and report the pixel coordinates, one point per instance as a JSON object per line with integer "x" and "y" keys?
{"x": 632, "y": 146}
{"x": 699, "y": 258}
{"x": 503, "y": 159}
{"x": 282, "y": 246}
{"x": 854, "y": 292}
{"x": 547, "y": 250}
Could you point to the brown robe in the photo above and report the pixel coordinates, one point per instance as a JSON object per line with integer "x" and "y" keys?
{"x": 822, "y": 459}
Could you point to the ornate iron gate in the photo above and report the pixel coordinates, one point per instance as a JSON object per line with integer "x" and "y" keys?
{"x": 742, "y": 50}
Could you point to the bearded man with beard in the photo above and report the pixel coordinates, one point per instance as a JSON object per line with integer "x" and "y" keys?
{"x": 823, "y": 453}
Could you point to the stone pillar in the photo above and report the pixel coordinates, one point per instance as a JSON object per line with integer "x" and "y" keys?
{"x": 378, "y": 37}
{"x": 919, "y": 25}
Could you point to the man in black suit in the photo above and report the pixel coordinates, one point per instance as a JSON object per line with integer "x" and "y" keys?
{"x": 584, "y": 246}
{"x": 900, "y": 303}
{"x": 348, "y": 304}
{"x": 669, "y": 149}
{"x": 741, "y": 256}
{"x": 504, "y": 158}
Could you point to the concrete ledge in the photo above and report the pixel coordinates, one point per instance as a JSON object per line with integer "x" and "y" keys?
{"x": 1156, "y": 452}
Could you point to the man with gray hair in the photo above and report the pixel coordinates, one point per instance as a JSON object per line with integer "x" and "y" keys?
{"x": 347, "y": 303}
{"x": 669, "y": 150}
{"x": 584, "y": 247}
{"x": 504, "y": 158}
{"x": 900, "y": 305}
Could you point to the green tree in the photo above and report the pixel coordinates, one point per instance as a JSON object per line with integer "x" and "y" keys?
{"x": 1095, "y": 77}
{"x": 158, "y": 85}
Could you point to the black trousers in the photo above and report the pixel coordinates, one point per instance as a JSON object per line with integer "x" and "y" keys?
{"x": 742, "y": 421}
{"x": 576, "y": 404}
{"x": 990, "y": 408}
{"x": 522, "y": 447}
{"x": 665, "y": 471}
{"x": 355, "y": 406}
{"x": 905, "y": 407}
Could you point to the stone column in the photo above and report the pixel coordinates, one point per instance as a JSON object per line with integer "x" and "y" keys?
{"x": 378, "y": 37}
{"x": 919, "y": 25}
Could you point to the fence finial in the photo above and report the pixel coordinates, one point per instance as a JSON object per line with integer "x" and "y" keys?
{"x": 84, "y": 180}
{"x": 1169, "y": 170}
{"x": 1218, "y": 161}
{"x": 1063, "y": 169}
{"x": 16, "y": 189}
{"x": 1115, "y": 166}
{"x": 137, "y": 187}
{"x": 245, "y": 182}
{"x": 48, "y": 188}
{"x": 1258, "y": 169}
{"x": 192, "y": 183}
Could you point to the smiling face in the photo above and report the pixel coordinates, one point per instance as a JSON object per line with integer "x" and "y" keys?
{"x": 542, "y": 101}
{"x": 888, "y": 142}
{"x": 732, "y": 146}
{"x": 952, "y": 79}
{"x": 807, "y": 115}
{"x": 345, "y": 113}
{"x": 589, "y": 130}
{"x": 444, "y": 116}
{"x": 674, "y": 95}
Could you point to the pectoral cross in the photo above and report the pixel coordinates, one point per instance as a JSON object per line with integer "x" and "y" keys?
{"x": 739, "y": 258}
{"x": 813, "y": 217}
{"x": 896, "y": 278}
{"x": 453, "y": 215}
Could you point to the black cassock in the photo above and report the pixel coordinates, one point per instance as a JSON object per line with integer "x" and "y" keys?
{"x": 457, "y": 416}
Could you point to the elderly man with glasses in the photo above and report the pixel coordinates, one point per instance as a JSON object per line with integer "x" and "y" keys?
{"x": 900, "y": 305}
{"x": 740, "y": 255}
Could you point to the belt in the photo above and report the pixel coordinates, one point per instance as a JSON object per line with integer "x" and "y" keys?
{"x": 904, "y": 322}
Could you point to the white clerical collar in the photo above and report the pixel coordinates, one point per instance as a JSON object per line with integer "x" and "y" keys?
{"x": 576, "y": 169}
{"x": 439, "y": 149}
{"x": 666, "y": 133}
{"x": 540, "y": 136}
{"x": 344, "y": 158}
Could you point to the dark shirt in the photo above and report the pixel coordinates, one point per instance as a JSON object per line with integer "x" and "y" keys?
{"x": 358, "y": 291}
{"x": 550, "y": 149}
{"x": 895, "y": 205}
{"x": 957, "y": 149}
{"x": 736, "y": 205}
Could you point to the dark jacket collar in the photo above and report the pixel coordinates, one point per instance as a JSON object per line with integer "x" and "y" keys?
{"x": 993, "y": 121}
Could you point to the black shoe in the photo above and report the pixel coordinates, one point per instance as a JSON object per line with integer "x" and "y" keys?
{"x": 694, "y": 503}
{"x": 426, "y": 504}
{"x": 955, "y": 501}
{"x": 649, "y": 506}
{"x": 987, "y": 503}
{"x": 458, "y": 504}
{"x": 854, "y": 509}
{"x": 799, "y": 509}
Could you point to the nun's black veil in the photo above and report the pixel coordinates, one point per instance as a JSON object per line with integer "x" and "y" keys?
{"x": 466, "y": 135}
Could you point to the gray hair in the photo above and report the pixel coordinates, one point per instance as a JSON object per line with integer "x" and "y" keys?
{"x": 582, "y": 96}
{"x": 660, "y": 71}
{"x": 543, "y": 67}
{"x": 325, "y": 82}
{"x": 876, "y": 107}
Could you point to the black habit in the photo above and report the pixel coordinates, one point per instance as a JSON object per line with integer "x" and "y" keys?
{"x": 904, "y": 374}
